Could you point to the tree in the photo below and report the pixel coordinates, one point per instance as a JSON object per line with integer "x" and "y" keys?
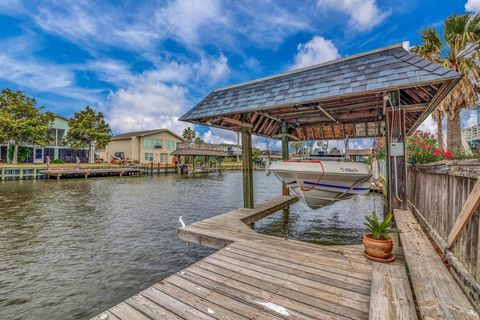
{"x": 189, "y": 135}
{"x": 88, "y": 128}
{"x": 438, "y": 115}
{"x": 457, "y": 49}
{"x": 198, "y": 140}
{"x": 21, "y": 122}
{"x": 297, "y": 144}
{"x": 255, "y": 154}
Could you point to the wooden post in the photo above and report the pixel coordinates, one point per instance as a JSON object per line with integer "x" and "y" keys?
{"x": 285, "y": 192}
{"x": 396, "y": 179}
{"x": 247, "y": 165}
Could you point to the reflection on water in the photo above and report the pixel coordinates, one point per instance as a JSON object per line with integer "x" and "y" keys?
{"x": 73, "y": 248}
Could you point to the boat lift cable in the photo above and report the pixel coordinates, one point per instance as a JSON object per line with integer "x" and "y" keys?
{"x": 318, "y": 181}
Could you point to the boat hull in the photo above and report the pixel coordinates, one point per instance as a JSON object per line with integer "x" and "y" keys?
{"x": 321, "y": 183}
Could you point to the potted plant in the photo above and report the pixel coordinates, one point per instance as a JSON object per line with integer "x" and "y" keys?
{"x": 377, "y": 243}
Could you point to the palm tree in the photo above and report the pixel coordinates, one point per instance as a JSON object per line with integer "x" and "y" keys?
{"x": 438, "y": 116}
{"x": 459, "y": 49}
{"x": 297, "y": 144}
{"x": 188, "y": 134}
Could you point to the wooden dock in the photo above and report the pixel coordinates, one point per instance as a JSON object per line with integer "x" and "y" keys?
{"x": 255, "y": 276}
{"x": 90, "y": 172}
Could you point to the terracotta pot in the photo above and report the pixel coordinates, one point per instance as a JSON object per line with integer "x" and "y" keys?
{"x": 377, "y": 248}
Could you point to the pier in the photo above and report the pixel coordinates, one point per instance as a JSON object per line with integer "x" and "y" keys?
{"x": 85, "y": 173}
{"x": 256, "y": 276}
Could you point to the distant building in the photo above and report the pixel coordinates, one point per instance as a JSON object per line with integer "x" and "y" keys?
{"x": 472, "y": 134}
{"x": 57, "y": 148}
{"x": 232, "y": 150}
{"x": 143, "y": 146}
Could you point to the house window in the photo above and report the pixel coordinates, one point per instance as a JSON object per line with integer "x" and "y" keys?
{"x": 147, "y": 143}
{"x": 157, "y": 143}
{"x": 164, "y": 158}
{"x": 148, "y": 156}
{"x": 170, "y": 144}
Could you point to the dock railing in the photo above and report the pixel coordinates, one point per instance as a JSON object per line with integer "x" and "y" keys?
{"x": 443, "y": 197}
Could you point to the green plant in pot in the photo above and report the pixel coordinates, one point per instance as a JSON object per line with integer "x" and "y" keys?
{"x": 377, "y": 242}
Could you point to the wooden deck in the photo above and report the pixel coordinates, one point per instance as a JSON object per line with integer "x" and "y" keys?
{"x": 79, "y": 172}
{"x": 255, "y": 276}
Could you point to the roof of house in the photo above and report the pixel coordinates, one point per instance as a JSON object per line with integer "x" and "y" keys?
{"x": 386, "y": 69}
{"x": 129, "y": 135}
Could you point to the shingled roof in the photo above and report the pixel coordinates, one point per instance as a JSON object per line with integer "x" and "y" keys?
{"x": 128, "y": 135}
{"x": 367, "y": 75}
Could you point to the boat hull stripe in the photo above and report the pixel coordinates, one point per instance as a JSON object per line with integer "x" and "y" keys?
{"x": 330, "y": 186}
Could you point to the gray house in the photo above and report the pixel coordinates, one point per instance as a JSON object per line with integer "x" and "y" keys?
{"x": 56, "y": 148}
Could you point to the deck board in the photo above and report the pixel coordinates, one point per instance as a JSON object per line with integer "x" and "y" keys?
{"x": 437, "y": 293}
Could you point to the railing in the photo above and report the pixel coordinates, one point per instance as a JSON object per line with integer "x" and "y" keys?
{"x": 437, "y": 194}
{"x": 200, "y": 146}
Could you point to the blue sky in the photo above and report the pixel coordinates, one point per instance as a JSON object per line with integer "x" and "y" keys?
{"x": 144, "y": 64}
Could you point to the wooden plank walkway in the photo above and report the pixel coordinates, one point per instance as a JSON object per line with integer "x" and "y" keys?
{"x": 437, "y": 294}
{"x": 257, "y": 276}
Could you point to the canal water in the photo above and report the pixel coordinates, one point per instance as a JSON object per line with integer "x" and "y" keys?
{"x": 72, "y": 248}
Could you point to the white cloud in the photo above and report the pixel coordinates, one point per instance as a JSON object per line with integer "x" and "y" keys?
{"x": 147, "y": 105}
{"x": 363, "y": 14}
{"x": 472, "y": 6}
{"x": 186, "y": 20}
{"x": 429, "y": 125}
{"x": 315, "y": 51}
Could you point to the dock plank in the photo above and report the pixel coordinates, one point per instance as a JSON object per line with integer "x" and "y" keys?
{"x": 437, "y": 293}
{"x": 391, "y": 296}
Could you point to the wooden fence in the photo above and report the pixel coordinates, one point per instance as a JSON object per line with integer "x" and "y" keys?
{"x": 437, "y": 194}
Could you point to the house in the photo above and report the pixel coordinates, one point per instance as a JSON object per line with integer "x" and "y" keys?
{"x": 57, "y": 148}
{"x": 143, "y": 146}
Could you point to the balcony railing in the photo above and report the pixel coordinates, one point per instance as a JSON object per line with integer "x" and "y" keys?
{"x": 200, "y": 146}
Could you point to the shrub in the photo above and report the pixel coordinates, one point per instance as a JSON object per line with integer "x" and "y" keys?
{"x": 379, "y": 229}
{"x": 57, "y": 161}
{"x": 422, "y": 148}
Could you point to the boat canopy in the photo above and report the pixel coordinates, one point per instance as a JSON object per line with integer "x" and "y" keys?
{"x": 333, "y": 100}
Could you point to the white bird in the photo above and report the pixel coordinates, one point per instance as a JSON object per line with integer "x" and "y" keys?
{"x": 181, "y": 221}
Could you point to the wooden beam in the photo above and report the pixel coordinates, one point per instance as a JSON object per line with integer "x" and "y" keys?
{"x": 281, "y": 135}
{"x": 247, "y": 166}
{"x": 236, "y": 122}
{"x": 285, "y": 191}
{"x": 326, "y": 113}
{"x": 468, "y": 210}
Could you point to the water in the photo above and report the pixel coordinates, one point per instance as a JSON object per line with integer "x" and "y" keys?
{"x": 73, "y": 248}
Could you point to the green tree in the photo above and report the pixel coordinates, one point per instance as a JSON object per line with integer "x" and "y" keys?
{"x": 189, "y": 135}
{"x": 21, "y": 122}
{"x": 458, "y": 49}
{"x": 297, "y": 144}
{"x": 87, "y": 128}
{"x": 255, "y": 154}
{"x": 198, "y": 140}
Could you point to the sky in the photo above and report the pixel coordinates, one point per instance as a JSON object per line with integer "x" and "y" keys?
{"x": 146, "y": 63}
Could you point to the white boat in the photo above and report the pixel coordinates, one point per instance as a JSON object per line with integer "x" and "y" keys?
{"x": 323, "y": 182}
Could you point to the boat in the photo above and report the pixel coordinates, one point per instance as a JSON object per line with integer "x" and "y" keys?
{"x": 323, "y": 182}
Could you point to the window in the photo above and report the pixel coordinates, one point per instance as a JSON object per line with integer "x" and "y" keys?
{"x": 38, "y": 154}
{"x": 147, "y": 143}
{"x": 164, "y": 158}
{"x": 170, "y": 144}
{"x": 157, "y": 143}
{"x": 148, "y": 156}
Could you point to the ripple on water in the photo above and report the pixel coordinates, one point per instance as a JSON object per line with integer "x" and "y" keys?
{"x": 73, "y": 248}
